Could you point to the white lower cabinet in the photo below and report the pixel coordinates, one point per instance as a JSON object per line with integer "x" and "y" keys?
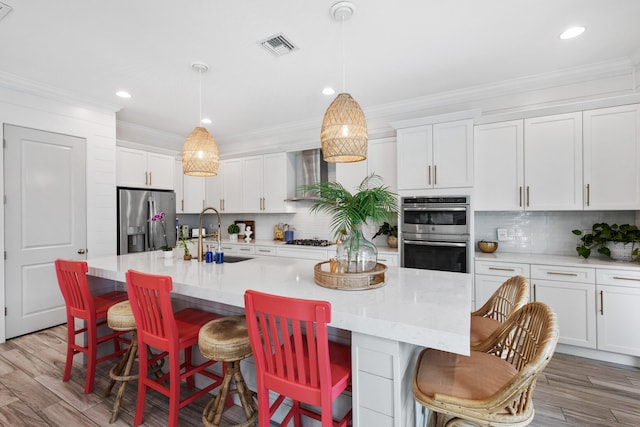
{"x": 570, "y": 293}
{"x": 490, "y": 275}
{"x": 388, "y": 258}
{"x": 618, "y": 294}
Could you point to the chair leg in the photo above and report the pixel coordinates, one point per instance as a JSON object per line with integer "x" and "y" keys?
{"x": 174, "y": 388}
{"x": 92, "y": 344}
{"x": 142, "y": 386}
{"x": 124, "y": 375}
{"x": 71, "y": 337}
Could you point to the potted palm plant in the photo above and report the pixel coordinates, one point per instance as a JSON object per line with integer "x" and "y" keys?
{"x": 371, "y": 202}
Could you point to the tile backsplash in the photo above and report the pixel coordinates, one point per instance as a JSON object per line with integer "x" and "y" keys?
{"x": 544, "y": 232}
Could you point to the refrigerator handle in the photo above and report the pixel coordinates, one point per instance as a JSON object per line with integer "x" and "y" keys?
{"x": 150, "y": 225}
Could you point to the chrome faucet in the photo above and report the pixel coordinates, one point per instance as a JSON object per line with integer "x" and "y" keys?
{"x": 200, "y": 228}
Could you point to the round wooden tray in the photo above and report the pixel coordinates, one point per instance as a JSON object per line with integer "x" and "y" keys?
{"x": 349, "y": 281}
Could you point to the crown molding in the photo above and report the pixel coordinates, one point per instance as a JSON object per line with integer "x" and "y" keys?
{"x": 20, "y": 84}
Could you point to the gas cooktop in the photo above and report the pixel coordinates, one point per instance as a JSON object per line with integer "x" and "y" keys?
{"x": 310, "y": 242}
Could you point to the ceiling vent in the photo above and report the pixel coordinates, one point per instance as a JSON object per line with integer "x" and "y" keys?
{"x": 4, "y": 10}
{"x": 278, "y": 44}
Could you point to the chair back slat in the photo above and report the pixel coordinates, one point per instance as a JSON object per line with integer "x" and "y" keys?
{"x": 72, "y": 280}
{"x": 289, "y": 340}
{"x": 509, "y": 297}
{"x": 150, "y": 300}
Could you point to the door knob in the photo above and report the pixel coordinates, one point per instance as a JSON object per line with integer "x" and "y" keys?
{"x": 81, "y": 251}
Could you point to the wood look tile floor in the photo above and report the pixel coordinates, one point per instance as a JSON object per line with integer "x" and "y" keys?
{"x": 571, "y": 392}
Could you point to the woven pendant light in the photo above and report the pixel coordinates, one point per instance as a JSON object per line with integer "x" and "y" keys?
{"x": 344, "y": 136}
{"x": 344, "y": 133}
{"x": 200, "y": 152}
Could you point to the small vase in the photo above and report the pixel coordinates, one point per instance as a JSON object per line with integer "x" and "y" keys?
{"x": 187, "y": 257}
{"x": 621, "y": 251}
{"x": 392, "y": 241}
{"x": 233, "y": 237}
{"x": 356, "y": 254}
{"x": 168, "y": 254}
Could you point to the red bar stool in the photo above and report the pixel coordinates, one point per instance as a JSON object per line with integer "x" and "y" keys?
{"x": 294, "y": 357}
{"x": 227, "y": 340}
{"x": 171, "y": 333}
{"x": 80, "y": 304}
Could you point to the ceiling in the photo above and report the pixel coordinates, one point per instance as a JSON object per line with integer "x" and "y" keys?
{"x": 394, "y": 51}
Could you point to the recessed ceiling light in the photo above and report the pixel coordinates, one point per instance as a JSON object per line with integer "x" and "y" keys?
{"x": 123, "y": 94}
{"x": 328, "y": 91}
{"x": 572, "y": 32}
{"x": 206, "y": 121}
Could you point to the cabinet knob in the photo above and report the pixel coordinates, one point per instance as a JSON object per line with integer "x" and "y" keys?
{"x": 82, "y": 251}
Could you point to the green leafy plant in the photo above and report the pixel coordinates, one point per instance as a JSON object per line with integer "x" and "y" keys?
{"x": 371, "y": 202}
{"x": 386, "y": 229}
{"x": 233, "y": 229}
{"x": 603, "y": 233}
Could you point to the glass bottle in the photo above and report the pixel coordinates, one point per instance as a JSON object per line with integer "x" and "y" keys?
{"x": 356, "y": 254}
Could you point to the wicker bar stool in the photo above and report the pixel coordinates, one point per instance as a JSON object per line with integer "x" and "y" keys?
{"x": 227, "y": 340}
{"x": 120, "y": 318}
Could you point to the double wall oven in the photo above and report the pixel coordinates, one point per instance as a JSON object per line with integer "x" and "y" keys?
{"x": 435, "y": 233}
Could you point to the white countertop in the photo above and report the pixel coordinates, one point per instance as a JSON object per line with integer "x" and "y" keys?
{"x": 560, "y": 260}
{"x": 258, "y": 242}
{"x": 421, "y": 307}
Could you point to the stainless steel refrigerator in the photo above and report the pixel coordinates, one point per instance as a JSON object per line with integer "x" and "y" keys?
{"x": 136, "y": 231}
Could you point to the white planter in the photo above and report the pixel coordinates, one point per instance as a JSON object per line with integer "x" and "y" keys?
{"x": 168, "y": 254}
{"x": 233, "y": 237}
{"x": 621, "y": 251}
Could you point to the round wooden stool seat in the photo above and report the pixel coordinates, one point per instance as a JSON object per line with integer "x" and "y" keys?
{"x": 227, "y": 340}
{"x": 120, "y": 317}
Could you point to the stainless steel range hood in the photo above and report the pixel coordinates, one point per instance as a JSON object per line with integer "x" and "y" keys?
{"x": 310, "y": 168}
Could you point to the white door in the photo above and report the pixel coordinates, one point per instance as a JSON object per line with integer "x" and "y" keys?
{"x": 45, "y": 219}
{"x": 414, "y": 158}
{"x": 453, "y": 154}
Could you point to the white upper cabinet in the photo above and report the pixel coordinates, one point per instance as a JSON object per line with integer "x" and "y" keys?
{"x": 177, "y": 186}
{"x": 382, "y": 160}
{"x": 214, "y": 189}
{"x": 499, "y": 166}
{"x": 612, "y": 158}
{"x": 534, "y": 165}
{"x": 142, "y": 169}
{"x": 232, "y": 187}
{"x": 553, "y": 162}
{"x": 265, "y": 183}
{"x": 435, "y": 156}
{"x": 189, "y": 191}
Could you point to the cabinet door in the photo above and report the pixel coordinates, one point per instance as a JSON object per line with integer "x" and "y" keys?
{"x": 382, "y": 160}
{"x": 214, "y": 189}
{"x": 131, "y": 168}
{"x": 193, "y": 193}
{"x": 350, "y": 175}
{"x": 177, "y": 185}
{"x": 232, "y": 186}
{"x": 499, "y": 166}
{"x": 414, "y": 158}
{"x": 485, "y": 286}
{"x": 453, "y": 154}
{"x": 618, "y": 319}
{"x": 574, "y": 305}
{"x": 553, "y": 162}
{"x": 274, "y": 182}
{"x": 160, "y": 168}
{"x": 252, "y": 173}
{"x": 612, "y": 158}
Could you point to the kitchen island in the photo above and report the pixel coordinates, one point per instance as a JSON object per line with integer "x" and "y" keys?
{"x": 387, "y": 325}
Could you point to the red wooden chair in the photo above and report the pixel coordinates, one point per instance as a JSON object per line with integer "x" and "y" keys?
{"x": 305, "y": 367}
{"x": 161, "y": 328}
{"x": 80, "y": 304}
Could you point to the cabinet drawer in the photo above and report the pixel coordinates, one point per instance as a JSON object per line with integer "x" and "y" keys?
{"x": 505, "y": 269}
{"x": 376, "y": 393}
{"x": 317, "y": 254}
{"x": 627, "y": 278}
{"x": 388, "y": 259}
{"x": 265, "y": 250}
{"x": 246, "y": 249}
{"x": 229, "y": 249}
{"x": 563, "y": 274}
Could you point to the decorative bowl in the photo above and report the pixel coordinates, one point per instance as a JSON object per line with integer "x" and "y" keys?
{"x": 487, "y": 247}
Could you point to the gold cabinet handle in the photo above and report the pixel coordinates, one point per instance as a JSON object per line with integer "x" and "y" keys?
{"x": 429, "y": 174}
{"x": 535, "y": 296}
{"x": 557, "y": 273}
{"x": 520, "y": 202}
{"x": 501, "y": 269}
{"x": 588, "y": 194}
{"x": 146, "y": 178}
{"x": 435, "y": 174}
{"x": 527, "y": 196}
{"x": 150, "y": 180}
{"x": 602, "y": 303}
{"x": 626, "y": 278}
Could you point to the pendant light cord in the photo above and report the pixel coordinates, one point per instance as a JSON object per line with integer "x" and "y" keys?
{"x": 200, "y": 98}
{"x": 344, "y": 60}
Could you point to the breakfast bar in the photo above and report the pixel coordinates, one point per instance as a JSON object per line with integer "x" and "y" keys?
{"x": 387, "y": 326}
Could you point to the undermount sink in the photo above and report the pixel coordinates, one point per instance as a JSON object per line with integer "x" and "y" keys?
{"x": 231, "y": 258}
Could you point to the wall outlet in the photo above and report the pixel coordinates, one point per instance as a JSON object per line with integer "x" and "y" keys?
{"x": 503, "y": 235}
